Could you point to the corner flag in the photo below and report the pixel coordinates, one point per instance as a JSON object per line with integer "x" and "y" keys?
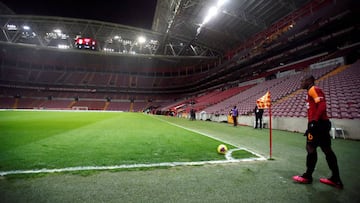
{"x": 265, "y": 101}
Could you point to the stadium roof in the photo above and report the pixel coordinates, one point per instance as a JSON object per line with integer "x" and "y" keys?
{"x": 180, "y": 36}
{"x": 5, "y": 10}
{"x": 244, "y": 39}
{"x": 178, "y": 28}
{"x": 235, "y": 23}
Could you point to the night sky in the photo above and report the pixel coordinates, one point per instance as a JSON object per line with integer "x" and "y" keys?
{"x": 135, "y": 13}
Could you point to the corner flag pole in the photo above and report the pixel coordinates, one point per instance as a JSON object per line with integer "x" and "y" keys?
{"x": 270, "y": 127}
{"x": 265, "y": 103}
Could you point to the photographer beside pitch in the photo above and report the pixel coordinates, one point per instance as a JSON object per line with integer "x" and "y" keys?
{"x": 317, "y": 135}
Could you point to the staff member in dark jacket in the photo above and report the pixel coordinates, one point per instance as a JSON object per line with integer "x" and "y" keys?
{"x": 258, "y": 116}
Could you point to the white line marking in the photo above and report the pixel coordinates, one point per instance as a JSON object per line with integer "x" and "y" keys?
{"x": 87, "y": 168}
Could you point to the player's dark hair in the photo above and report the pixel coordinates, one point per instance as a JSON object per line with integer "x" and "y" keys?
{"x": 309, "y": 78}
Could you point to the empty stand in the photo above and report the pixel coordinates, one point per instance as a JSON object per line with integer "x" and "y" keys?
{"x": 285, "y": 103}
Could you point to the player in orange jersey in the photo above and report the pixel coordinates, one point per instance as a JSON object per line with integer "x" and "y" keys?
{"x": 317, "y": 135}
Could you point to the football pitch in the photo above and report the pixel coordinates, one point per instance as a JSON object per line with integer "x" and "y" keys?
{"x": 53, "y": 141}
{"x": 133, "y": 155}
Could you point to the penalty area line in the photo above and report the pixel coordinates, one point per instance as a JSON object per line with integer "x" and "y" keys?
{"x": 127, "y": 166}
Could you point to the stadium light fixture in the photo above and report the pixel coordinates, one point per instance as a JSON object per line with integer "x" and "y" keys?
{"x": 63, "y": 46}
{"x": 59, "y": 34}
{"x": 213, "y": 11}
{"x": 108, "y": 49}
{"x": 57, "y": 31}
{"x": 25, "y": 27}
{"x": 11, "y": 27}
{"x": 141, "y": 39}
{"x": 220, "y": 3}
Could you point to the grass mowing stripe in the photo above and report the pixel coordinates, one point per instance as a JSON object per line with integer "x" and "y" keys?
{"x": 215, "y": 138}
{"x": 35, "y": 140}
{"x": 247, "y": 137}
{"x": 95, "y": 138}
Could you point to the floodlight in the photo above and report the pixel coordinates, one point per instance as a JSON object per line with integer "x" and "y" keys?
{"x": 63, "y": 46}
{"x": 141, "y": 39}
{"x": 211, "y": 13}
{"x": 220, "y": 3}
{"x": 58, "y": 31}
{"x": 11, "y": 27}
{"x": 25, "y": 27}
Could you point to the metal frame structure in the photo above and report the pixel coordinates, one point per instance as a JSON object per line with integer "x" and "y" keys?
{"x": 234, "y": 45}
{"x": 174, "y": 30}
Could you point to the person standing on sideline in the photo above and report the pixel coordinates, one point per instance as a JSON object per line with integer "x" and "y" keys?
{"x": 192, "y": 114}
{"x": 234, "y": 114}
{"x": 258, "y": 116}
{"x": 317, "y": 135}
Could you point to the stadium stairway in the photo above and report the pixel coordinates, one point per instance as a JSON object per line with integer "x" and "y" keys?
{"x": 331, "y": 73}
{"x": 290, "y": 106}
{"x": 334, "y": 72}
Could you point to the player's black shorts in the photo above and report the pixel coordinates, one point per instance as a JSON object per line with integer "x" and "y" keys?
{"x": 320, "y": 136}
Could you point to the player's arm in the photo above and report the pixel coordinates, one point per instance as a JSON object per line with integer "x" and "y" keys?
{"x": 320, "y": 108}
{"x": 320, "y": 104}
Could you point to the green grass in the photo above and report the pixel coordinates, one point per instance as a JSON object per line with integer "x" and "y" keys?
{"x": 39, "y": 139}
{"x": 259, "y": 181}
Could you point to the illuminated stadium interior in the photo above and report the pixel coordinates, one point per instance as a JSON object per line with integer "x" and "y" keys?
{"x": 198, "y": 54}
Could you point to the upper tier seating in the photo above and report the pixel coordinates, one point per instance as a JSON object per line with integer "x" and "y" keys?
{"x": 286, "y": 97}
